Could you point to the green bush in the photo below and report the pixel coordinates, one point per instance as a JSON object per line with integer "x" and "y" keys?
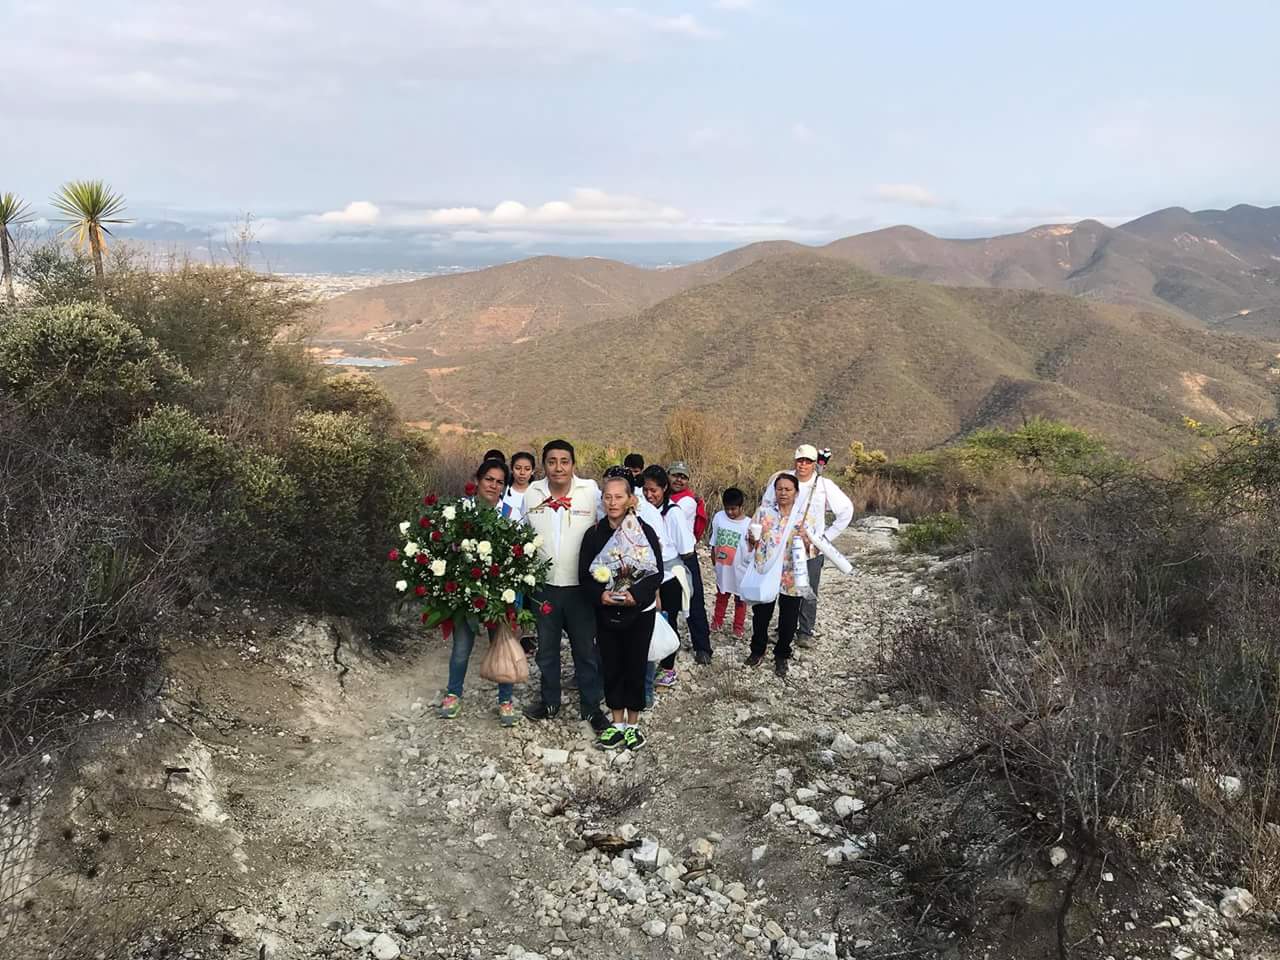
{"x": 248, "y": 501}
{"x": 354, "y": 393}
{"x": 933, "y": 532}
{"x": 84, "y": 368}
{"x": 53, "y": 273}
{"x": 354, "y": 481}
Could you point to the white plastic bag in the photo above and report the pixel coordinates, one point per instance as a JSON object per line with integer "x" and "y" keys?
{"x": 664, "y": 642}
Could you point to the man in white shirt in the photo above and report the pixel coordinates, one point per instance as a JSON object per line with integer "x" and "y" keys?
{"x": 561, "y": 508}
{"x": 817, "y": 495}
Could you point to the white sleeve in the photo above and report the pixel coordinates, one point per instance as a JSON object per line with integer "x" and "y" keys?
{"x": 841, "y": 506}
{"x": 599, "y": 503}
{"x": 690, "y": 507}
{"x": 768, "y": 495}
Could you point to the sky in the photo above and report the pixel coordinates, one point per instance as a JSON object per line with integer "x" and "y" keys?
{"x": 447, "y": 125}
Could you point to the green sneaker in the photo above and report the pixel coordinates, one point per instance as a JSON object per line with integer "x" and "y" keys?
{"x": 633, "y": 738}
{"x": 450, "y": 707}
{"x": 507, "y": 713}
{"x": 611, "y": 738}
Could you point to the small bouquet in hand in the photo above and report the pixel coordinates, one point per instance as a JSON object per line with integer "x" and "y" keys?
{"x": 625, "y": 559}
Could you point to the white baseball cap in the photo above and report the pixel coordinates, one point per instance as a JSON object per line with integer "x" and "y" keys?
{"x": 806, "y": 451}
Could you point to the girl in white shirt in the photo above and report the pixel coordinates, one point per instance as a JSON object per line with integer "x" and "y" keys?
{"x": 677, "y": 542}
{"x": 522, "y": 468}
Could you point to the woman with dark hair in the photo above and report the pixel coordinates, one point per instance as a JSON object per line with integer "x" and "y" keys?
{"x": 775, "y": 571}
{"x": 491, "y": 480}
{"x": 677, "y": 542}
{"x": 522, "y": 469}
{"x": 619, "y": 568}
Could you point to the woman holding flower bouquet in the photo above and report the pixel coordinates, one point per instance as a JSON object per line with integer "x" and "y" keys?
{"x": 491, "y": 480}
{"x": 620, "y": 568}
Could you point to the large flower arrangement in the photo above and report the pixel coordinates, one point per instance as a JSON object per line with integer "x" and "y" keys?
{"x": 462, "y": 560}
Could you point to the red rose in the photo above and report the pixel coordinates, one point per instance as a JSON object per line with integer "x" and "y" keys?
{"x": 424, "y": 523}
{"x": 469, "y": 489}
{"x": 545, "y": 608}
{"x": 394, "y": 554}
{"x": 450, "y": 587}
{"x": 420, "y": 590}
{"x": 437, "y": 536}
{"x": 430, "y": 499}
{"x": 476, "y": 573}
{"x": 422, "y": 559}
{"x": 517, "y": 550}
{"x": 494, "y": 570}
{"x": 478, "y": 603}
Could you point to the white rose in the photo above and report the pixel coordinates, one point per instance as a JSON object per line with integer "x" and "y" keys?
{"x": 402, "y": 585}
{"x": 404, "y": 526}
{"x": 530, "y": 579}
{"x": 508, "y": 596}
{"x": 537, "y": 542}
{"x": 449, "y": 512}
{"x": 438, "y": 567}
{"x": 484, "y": 548}
{"x": 411, "y": 548}
{"x": 531, "y": 546}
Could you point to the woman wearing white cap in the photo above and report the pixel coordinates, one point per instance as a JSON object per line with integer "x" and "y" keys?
{"x": 817, "y": 495}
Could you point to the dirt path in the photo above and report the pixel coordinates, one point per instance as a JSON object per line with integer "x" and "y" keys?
{"x": 294, "y": 796}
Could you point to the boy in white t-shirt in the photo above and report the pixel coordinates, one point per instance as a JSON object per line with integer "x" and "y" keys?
{"x": 728, "y": 531}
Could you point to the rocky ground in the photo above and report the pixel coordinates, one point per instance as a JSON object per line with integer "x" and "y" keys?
{"x": 292, "y": 793}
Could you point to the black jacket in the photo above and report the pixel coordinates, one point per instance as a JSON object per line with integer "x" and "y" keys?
{"x": 645, "y": 591}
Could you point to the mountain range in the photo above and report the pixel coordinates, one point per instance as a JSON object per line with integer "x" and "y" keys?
{"x": 895, "y": 337}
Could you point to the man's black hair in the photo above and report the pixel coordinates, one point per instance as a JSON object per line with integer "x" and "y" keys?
{"x": 633, "y": 461}
{"x": 733, "y": 497}
{"x": 564, "y": 445}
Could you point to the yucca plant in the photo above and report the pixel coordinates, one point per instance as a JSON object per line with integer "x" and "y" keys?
{"x": 13, "y": 211}
{"x": 89, "y": 206}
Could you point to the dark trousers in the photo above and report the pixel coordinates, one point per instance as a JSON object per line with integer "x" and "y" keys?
{"x": 624, "y": 657}
{"x": 788, "y": 617}
{"x": 670, "y": 593}
{"x": 699, "y": 629}
{"x": 571, "y": 613}
{"x": 809, "y": 607}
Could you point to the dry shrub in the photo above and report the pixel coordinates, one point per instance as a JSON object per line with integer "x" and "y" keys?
{"x": 706, "y": 444}
{"x": 1116, "y": 639}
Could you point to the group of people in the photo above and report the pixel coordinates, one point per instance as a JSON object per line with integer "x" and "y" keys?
{"x": 624, "y": 552}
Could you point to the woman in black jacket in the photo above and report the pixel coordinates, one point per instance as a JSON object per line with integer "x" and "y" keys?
{"x": 624, "y": 617}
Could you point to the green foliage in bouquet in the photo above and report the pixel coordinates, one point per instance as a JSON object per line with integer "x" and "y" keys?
{"x": 461, "y": 560}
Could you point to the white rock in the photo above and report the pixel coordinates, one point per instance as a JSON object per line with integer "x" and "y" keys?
{"x": 845, "y": 745}
{"x": 359, "y": 938}
{"x": 1231, "y": 788}
{"x": 806, "y": 815}
{"x": 750, "y": 931}
{"x": 773, "y": 931}
{"x": 675, "y": 933}
{"x": 757, "y": 853}
{"x": 1182, "y": 953}
{"x": 805, "y": 794}
{"x": 919, "y": 591}
{"x": 384, "y": 948}
{"x": 554, "y": 758}
{"x": 702, "y": 847}
{"x": 847, "y": 806}
{"x": 1057, "y": 857}
{"x": 736, "y": 892}
{"x": 877, "y": 523}
{"x": 741, "y": 716}
{"x": 646, "y": 855}
{"x": 1236, "y": 902}
{"x": 762, "y": 735}
{"x": 782, "y": 778}
{"x": 620, "y": 867}
{"x": 654, "y": 927}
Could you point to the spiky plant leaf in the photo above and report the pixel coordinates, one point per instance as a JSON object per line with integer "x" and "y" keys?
{"x": 89, "y": 206}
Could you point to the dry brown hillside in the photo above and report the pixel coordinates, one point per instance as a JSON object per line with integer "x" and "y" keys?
{"x": 804, "y": 344}
{"x": 514, "y": 302}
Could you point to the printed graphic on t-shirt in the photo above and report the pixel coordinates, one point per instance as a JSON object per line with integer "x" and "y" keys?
{"x": 726, "y": 546}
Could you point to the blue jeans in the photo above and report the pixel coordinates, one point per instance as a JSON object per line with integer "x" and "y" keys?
{"x": 571, "y": 613}
{"x": 699, "y": 629}
{"x": 464, "y": 641}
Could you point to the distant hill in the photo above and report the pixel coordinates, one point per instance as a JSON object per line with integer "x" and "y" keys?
{"x": 1221, "y": 267}
{"x": 513, "y": 302}
{"x": 1218, "y": 267}
{"x": 802, "y": 344}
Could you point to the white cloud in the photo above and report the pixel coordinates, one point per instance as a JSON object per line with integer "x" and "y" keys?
{"x": 734, "y": 4}
{"x": 802, "y": 133}
{"x": 357, "y": 211}
{"x": 907, "y": 194}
